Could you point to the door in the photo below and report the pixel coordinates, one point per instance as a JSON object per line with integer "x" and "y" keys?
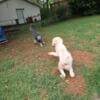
{"x": 20, "y": 15}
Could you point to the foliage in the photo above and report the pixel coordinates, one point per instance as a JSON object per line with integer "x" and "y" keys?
{"x": 85, "y": 7}
{"x": 56, "y": 12}
{"x": 49, "y": 21}
{"x": 72, "y": 8}
{"x": 62, "y": 12}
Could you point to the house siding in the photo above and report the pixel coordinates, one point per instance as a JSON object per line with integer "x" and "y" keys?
{"x": 8, "y": 11}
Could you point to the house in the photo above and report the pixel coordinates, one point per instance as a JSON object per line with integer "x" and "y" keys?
{"x": 18, "y": 12}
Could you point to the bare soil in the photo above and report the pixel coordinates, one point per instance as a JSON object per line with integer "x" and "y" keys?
{"x": 75, "y": 85}
{"x": 83, "y": 57}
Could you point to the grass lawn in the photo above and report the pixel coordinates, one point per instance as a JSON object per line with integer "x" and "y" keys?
{"x": 28, "y": 73}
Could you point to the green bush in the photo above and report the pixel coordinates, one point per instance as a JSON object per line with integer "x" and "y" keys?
{"x": 85, "y": 7}
{"x": 49, "y": 21}
{"x": 45, "y": 13}
{"x": 61, "y": 13}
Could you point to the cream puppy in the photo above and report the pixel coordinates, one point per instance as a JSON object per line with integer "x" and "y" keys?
{"x": 65, "y": 58}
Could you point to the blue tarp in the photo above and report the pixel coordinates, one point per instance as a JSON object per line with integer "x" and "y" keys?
{"x": 3, "y": 37}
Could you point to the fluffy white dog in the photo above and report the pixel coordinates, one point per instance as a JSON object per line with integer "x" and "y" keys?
{"x": 65, "y": 58}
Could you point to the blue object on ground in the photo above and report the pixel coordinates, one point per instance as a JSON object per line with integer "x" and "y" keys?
{"x": 3, "y": 37}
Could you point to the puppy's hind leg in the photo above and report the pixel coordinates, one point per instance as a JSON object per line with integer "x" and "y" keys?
{"x": 41, "y": 44}
{"x": 69, "y": 68}
{"x": 61, "y": 70}
{"x": 71, "y": 72}
{"x": 34, "y": 41}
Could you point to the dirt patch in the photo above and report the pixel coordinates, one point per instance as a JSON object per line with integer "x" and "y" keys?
{"x": 54, "y": 71}
{"x": 43, "y": 56}
{"x": 22, "y": 51}
{"x": 27, "y": 55}
{"x": 83, "y": 57}
{"x": 25, "y": 52}
{"x": 75, "y": 85}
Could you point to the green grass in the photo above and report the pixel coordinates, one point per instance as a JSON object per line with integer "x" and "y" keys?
{"x": 21, "y": 81}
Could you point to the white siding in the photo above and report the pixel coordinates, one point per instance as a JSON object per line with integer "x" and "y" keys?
{"x": 8, "y": 11}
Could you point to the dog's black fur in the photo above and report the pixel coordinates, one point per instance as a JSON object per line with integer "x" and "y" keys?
{"x": 37, "y": 36}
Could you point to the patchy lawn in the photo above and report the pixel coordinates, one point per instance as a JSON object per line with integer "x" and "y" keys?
{"x": 28, "y": 73}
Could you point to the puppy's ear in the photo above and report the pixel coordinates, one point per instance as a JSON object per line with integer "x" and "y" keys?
{"x": 53, "y": 43}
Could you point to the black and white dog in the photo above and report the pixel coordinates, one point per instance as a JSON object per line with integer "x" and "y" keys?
{"x": 37, "y": 36}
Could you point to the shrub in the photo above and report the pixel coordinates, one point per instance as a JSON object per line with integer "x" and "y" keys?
{"x": 84, "y": 7}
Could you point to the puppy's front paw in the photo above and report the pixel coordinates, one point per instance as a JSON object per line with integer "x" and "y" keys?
{"x": 63, "y": 77}
{"x": 72, "y": 74}
{"x": 49, "y": 53}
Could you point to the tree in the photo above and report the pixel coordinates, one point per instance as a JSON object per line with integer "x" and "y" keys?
{"x": 84, "y": 7}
